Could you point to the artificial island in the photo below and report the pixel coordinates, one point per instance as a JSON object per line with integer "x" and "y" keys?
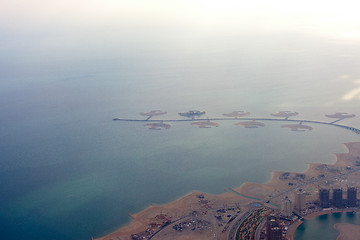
{"x": 271, "y": 210}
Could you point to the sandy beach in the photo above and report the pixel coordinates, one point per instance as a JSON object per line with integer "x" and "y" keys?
{"x": 250, "y": 124}
{"x": 316, "y": 214}
{"x": 290, "y": 233}
{"x": 297, "y": 127}
{"x": 205, "y": 124}
{"x": 347, "y": 231}
{"x": 279, "y": 182}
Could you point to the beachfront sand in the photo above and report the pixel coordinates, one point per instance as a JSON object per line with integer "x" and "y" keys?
{"x": 290, "y": 233}
{"x": 297, "y": 127}
{"x": 206, "y": 124}
{"x": 250, "y": 124}
{"x": 185, "y": 205}
{"x": 347, "y": 231}
{"x": 176, "y": 209}
{"x": 143, "y": 218}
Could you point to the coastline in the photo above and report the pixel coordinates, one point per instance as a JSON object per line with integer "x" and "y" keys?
{"x": 267, "y": 190}
{"x": 291, "y": 232}
{"x": 316, "y": 214}
{"x": 292, "y": 229}
{"x": 347, "y": 231}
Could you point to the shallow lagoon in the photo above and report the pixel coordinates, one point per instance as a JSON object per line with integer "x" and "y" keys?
{"x": 309, "y": 229}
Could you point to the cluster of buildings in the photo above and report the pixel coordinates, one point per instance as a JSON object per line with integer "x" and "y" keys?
{"x": 334, "y": 198}
{"x": 277, "y": 224}
{"x": 275, "y": 229}
{"x": 267, "y": 223}
{"x": 287, "y": 206}
{"x": 337, "y": 199}
{"x": 158, "y": 223}
{"x": 193, "y": 224}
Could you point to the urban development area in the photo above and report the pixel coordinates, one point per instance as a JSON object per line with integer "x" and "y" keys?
{"x": 271, "y": 210}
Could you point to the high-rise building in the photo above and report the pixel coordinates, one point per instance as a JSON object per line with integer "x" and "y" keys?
{"x": 338, "y": 198}
{"x": 273, "y": 228}
{"x": 286, "y": 207}
{"x": 324, "y": 198}
{"x": 275, "y": 233}
{"x": 351, "y": 197}
{"x": 300, "y": 200}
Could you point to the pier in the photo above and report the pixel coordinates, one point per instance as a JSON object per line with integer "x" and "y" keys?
{"x": 333, "y": 123}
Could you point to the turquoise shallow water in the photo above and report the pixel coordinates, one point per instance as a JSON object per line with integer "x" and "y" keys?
{"x": 309, "y": 229}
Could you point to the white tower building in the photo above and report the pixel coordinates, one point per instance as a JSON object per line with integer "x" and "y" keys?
{"x": 286, "y": 207}
{"x": 300, "y": 201}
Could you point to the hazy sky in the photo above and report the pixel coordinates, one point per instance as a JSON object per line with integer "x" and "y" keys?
{"x": 54, "y": 33}
{"x": 334, "y": 17}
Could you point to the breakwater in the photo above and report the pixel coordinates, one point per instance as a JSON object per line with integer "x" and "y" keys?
{"x": 335, "y": 124}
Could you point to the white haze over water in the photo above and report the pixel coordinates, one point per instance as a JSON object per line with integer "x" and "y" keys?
{"x": 68, "y": 67}
{"x": 236, "y": 42}
{"x": 59, "y": 31}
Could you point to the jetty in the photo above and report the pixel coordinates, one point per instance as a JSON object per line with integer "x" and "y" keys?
{"x": 350, "y": 128}
{"x": 249, "y": 122}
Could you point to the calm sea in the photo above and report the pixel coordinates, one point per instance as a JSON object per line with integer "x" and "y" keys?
{"x": 67, "y": 171}
{"x": 309, "y": 229}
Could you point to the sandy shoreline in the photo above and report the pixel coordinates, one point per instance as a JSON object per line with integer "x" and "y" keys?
{"x": 292, "y": 229}
{"x": 278, "y": 182}
{"x": 347, "y": 231}
{"x": 316, "y": 214}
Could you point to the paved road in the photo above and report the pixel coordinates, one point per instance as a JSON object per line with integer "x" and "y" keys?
{"x": 235, "y": 226}
{"x": 314, "y": 181}
{"x": 166, "y": 226}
